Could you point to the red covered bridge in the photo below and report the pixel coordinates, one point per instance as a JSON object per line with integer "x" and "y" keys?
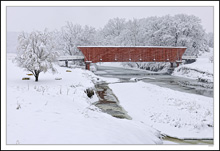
{"x": 96, "y": 54}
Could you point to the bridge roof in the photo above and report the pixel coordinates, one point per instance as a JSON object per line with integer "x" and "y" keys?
{"x": 135, "y": 46}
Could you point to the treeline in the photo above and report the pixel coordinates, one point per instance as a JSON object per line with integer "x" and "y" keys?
{"x": 178, "y": 30}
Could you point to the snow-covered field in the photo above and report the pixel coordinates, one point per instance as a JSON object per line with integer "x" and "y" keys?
{"x": 202, "y": 68}
{"x": 173, "y": 113}
{"x": 59, "y": 112}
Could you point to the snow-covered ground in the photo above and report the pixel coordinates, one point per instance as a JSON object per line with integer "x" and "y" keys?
{"x": 202, "y": 68}
{"x": 173, "y": 113}
{"x": 59, "y": 112}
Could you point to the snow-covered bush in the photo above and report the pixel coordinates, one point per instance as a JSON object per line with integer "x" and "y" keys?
{"x": 35, "y": 52}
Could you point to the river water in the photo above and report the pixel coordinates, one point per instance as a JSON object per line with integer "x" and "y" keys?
{"x": 109, "y": 103}
{"x": 163, "y": 80}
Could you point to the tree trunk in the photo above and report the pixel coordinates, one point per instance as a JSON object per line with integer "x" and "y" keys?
{"x": 66, "y": 63}
{"x": 176, "y": 39}
{"x": 36, "y": 78}
{"x": 36, "y": 75}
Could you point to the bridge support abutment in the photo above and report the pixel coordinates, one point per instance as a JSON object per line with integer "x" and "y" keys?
{"x": 88, "y": 64}
{"x": 66, "y": 63}
{"x": 171, "y": 64}
{"x": 177, "y": 64}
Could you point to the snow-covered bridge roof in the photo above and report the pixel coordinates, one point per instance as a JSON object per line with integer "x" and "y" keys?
{"x": 136, "y": 46}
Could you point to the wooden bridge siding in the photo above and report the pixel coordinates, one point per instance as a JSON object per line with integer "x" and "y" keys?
{"x": 172, "y": 55}
{"x": 146, "y": 54}
{"x": 133, "y": 55}
{"x": 119, "y": 54}
{"x": 167, "y": 55}
{"x": 123, "y": 54}
{"x": 85, "y": 53}
{"x": 182, "y": 51}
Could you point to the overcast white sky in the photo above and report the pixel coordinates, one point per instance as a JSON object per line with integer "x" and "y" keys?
{"x": 38, "y": 18}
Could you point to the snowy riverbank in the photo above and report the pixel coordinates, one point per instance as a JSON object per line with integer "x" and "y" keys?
{"x": 59, "y": 112}
{"x": 201, "y": 69}
{"x": 173, "y": 113}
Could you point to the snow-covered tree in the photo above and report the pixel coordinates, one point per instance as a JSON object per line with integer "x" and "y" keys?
{"x": 178, "y": 30}
{"x": 88, "y": 36}
{"x": 111, "y": 32}
{"x": 73, "y": 35}
{"x": 57, "y": 41}
{"x": 131, "y": 34}
{"x": 70, "y": 34}
{"x": 35, "y": 52}
{"x": 210, "y": 39}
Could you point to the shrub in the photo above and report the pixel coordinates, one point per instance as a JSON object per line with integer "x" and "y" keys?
{"x": 89, "y": 92}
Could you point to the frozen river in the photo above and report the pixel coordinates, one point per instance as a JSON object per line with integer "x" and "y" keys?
{"x": 160, "y": 79}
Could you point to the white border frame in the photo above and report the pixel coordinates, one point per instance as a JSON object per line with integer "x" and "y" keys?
{"x": 4, "y": 4}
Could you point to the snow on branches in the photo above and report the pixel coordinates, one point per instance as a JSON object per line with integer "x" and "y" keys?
{"x": 35, "y": 52}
